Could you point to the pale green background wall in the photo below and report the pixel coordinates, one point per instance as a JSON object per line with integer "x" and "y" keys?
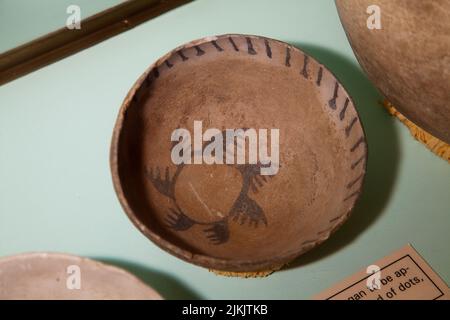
{"x": 24, "y": 20}
{"x": 55, "y": 186}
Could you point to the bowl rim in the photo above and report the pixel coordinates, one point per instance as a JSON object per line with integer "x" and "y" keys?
{"x": 202, "y": 260}
{"x": 75, "y": 259}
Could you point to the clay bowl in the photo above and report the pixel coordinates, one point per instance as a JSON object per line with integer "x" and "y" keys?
{"x": 53, "y": 276}
{"x": 408, "y": 59}
{"x": 232, "y": 217}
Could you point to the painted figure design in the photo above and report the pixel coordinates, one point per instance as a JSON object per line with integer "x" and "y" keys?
{"x": 244, "y": 210}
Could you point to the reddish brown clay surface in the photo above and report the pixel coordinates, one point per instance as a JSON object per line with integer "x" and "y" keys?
{"x": 409, "y": 58}
{"x": 44, "y": 276}
{"x": 229, "y": 217}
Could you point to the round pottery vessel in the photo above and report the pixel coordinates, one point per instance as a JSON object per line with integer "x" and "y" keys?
{"x": 408, "y": 59}
{"x": 232, "y": 216}
{"x": 52, "y": 276}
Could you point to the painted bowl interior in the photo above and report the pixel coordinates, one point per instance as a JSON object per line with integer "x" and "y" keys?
{"x": 230, "y": 216}
{"x": 47, "y": 276}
